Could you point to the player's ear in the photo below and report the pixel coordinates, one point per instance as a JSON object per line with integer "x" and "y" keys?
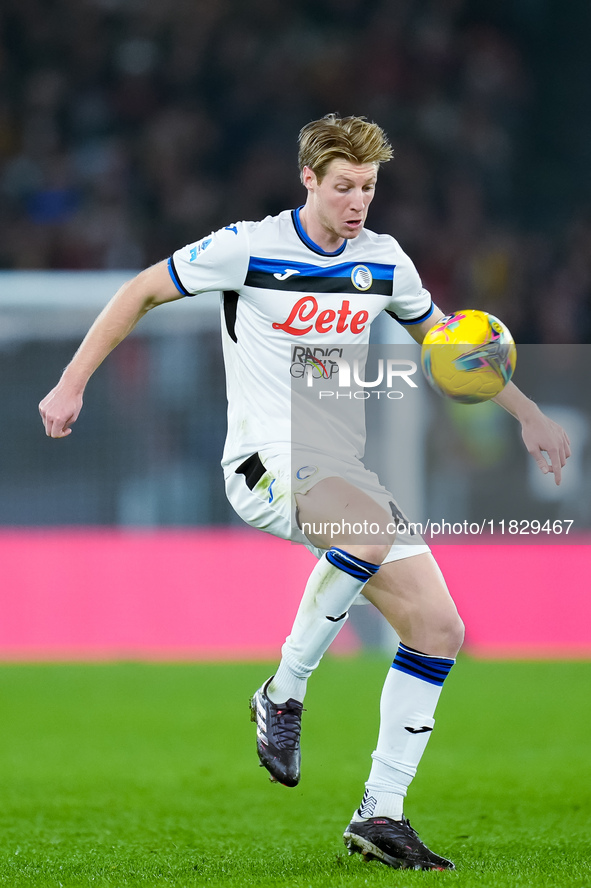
{"x": 309, "y": 178}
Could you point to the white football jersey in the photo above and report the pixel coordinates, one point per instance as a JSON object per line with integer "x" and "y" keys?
{"x": 287, "y": 303}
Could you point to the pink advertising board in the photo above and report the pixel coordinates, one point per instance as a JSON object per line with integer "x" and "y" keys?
{"x": 231, "y": 594}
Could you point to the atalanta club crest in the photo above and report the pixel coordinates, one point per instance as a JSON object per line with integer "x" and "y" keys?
{"x": 361, "y": 277}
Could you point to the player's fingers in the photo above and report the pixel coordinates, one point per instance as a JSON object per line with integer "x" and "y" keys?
{"x": 541, "y": 461}
{"x": 556, "y": 463}
{"x": 564, "y": 450}
{"x": 43, "y": 416}
{"x": 48, "y": 422}
{"x": 46, "y": 418}
{"x": 57, "y": 428}
{"x": 564, "y": 446}
{"x": 62, "y": 430}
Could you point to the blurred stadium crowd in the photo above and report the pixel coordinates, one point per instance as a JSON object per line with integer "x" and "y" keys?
{"x": 130, "y": 127}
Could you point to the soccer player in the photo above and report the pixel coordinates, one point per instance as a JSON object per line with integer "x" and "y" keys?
{"x": 316, "y": 277}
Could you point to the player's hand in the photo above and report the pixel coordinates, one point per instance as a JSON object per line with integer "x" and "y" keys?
{"x": 59, "y": 410}
{"x": 542, "y": 435}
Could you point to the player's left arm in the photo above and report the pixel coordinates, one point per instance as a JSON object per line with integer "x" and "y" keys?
{"x": 419, "y": 331}
{"x": 540, "y": 433}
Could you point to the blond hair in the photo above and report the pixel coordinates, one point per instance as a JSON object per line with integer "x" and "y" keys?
{"x": 349, "y": 138}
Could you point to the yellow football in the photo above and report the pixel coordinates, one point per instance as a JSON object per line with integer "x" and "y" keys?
{"x": 469, "y": 356}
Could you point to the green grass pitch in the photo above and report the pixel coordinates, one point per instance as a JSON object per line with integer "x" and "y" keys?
{"x": 146, "y": 775}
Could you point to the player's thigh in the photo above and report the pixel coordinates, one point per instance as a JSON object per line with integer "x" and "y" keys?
{"x": 413, "y": 596}
{"x": 336, "y": 513}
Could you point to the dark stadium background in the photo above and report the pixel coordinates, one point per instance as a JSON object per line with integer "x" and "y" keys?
{"x": 131, "y": 127}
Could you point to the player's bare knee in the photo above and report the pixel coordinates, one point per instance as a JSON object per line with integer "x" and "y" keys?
{"x": 452, "y": 632}
{"x": 439, "y": 633}
{"x": 374, "y": 553}
{"x": 459, "y": 633}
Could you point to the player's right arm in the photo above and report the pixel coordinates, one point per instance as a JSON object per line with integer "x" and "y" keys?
{"x": 153, "y": 286}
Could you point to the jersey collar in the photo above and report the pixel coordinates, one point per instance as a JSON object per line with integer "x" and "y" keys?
{"x": 295, "y": 215}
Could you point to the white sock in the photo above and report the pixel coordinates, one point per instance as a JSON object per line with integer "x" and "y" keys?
{"x": 332, "y": 587}
{"x": 409, "y": 697}
{"x": 286, "y": 684}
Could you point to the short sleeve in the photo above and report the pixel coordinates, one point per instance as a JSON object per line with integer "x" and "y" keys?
{"x": 411, "y": 303}
{"x": 216, "y": 262}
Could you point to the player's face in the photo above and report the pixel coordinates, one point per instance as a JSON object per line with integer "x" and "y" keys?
{"x": 338, "y": 204}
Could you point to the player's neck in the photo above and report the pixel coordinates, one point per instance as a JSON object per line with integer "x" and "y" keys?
{"x": 327, "y": 240}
